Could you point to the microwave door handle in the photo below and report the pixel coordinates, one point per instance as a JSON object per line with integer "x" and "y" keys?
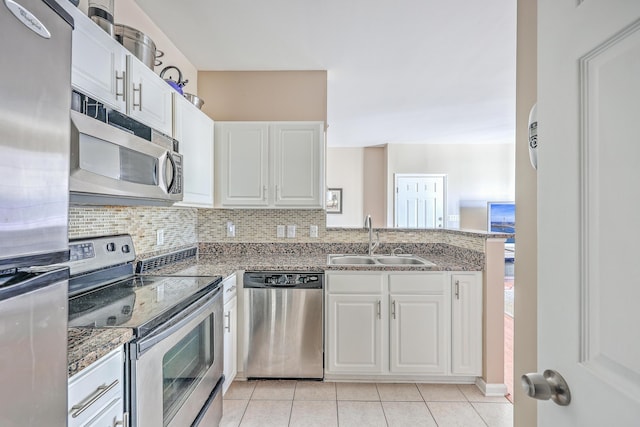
{"x": 168, "y": 169}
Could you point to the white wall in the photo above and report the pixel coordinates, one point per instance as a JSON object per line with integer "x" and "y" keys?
{"x": 345, "y": 169}
{"x": 478, "y": 172}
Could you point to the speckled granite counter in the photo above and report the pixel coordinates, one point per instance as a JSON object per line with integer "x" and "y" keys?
{"x": 224, "y": 259}
{"x": 86, "y": 345}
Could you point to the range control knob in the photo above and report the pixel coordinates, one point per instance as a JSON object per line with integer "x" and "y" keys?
{"x": 111, "y": 247}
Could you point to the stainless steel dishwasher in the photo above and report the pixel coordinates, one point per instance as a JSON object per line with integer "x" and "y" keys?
{"x": 283, "y": 320}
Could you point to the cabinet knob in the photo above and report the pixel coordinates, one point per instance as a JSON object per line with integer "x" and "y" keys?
{"x": 545, "y": 386}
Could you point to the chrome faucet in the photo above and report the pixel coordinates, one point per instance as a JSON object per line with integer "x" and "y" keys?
{"x": 372, "y": 245}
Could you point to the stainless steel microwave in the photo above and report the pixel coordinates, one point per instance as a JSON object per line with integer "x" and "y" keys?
{"x": 111, "y": 165}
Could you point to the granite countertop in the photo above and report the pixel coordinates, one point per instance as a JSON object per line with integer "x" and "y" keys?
{"x": 85, "y": 346}
{"x": 225, "y": 265}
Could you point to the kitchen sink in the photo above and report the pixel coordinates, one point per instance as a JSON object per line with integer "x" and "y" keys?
{"x": 377, "y": 260}
{"x": 350, "y": 260}
{"x": 401, "y": 260}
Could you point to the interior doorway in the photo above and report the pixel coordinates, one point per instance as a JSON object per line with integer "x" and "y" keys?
{"x": 419, "y": 200}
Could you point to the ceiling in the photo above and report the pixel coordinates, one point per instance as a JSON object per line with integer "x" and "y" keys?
{"x": 399, "y": 71}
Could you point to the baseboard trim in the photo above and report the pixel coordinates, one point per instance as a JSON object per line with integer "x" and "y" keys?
{"x": 491, "y": 390}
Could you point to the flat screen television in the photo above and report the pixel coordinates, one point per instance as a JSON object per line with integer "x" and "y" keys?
{"x": 501, "y": 218}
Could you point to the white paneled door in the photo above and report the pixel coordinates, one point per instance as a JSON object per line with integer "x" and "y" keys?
{"x": 419, "y": 201}
{"x": 588, "y": 204}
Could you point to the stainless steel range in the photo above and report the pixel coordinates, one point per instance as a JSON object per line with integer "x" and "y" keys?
{"x": 174, "y": 363}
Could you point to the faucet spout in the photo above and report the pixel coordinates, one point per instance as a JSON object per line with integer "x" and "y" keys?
{"x": 372, "y": 245}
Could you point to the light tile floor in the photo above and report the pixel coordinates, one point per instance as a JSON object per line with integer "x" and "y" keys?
{"x": 327, "y": 404}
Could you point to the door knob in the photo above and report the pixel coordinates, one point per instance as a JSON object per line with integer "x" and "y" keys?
{"x": 545, "y": 386}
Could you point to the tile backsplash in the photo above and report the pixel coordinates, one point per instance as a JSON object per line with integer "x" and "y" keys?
{"x": 187, "y": 226}
{"x": 142, "y": 222}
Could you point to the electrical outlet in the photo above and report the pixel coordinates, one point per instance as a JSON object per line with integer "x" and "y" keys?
{"x": 454, "y": 218}
{"x": 313, "y": 231}
{"x": 231, "y": 229}
{"x": 291, "y": 231}
{"x": 280, "y": 231}
{"x": 160, "y": 237}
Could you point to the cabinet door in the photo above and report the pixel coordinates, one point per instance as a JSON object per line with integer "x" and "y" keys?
{"x": 243, "y": 162}
{"x": 230, "y": 342}
{"x": 354, "y": 334}
{"x": 149, "y": 97}
{"x": 194, "y": 131}
{"x": 298, "y": 164}
{"x": 466, "y": 329}
{"x": 99, "y": 63}
{"x": 418, "y": 334}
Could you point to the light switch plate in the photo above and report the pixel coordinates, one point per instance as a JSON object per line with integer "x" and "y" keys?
{"x": 231, "y": 229}
{"x": 280, "y": 231}
{"x": 291, "y": 231}
{"x": 160, "y": 237}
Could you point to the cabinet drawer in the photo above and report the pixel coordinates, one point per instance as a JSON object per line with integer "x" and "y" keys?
{"x": 355, "y": 283}
{"x": 423, "y": 283}
{"x": 95, "y": 388}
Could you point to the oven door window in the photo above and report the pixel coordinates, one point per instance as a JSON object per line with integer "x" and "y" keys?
{"x": 184, "y": 365}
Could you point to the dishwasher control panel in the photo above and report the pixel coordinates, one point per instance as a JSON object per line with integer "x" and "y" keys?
{"x": 273, "y": 279}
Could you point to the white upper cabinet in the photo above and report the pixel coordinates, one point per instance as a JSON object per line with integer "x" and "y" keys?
{"x": 105, "y": 71}
{"x": 194, "y": 131}
{"x": 270, "y": 164}
{"x": 149, "y": 97}
{"x": 242, "y": 159}
{"x": 298, "y": 164}
{"x": 99, "y": 65}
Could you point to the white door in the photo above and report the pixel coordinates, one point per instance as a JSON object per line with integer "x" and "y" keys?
{"x": 419, "y": 201}
{"x": 588, "y": 204}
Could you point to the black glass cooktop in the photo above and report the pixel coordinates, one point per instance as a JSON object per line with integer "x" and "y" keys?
{"x": 138, "y": 302}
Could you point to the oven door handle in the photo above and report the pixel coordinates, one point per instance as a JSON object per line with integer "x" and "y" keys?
{"x": 204, "y": 304}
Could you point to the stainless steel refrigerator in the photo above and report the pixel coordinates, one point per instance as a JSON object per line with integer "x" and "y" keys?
{"x": 35, "y": 99}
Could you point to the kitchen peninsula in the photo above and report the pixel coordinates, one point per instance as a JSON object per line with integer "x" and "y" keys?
{"x": 449, "y": 250}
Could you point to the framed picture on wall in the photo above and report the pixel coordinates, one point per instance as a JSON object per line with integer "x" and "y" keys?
{"x": 334, "y": 201}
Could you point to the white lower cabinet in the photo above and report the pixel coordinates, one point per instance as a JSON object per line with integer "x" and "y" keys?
{"x": 466, "y": 324}
{"x": 230, "y": 311}
{"x": 354, "y": 342}
{"x": 96, "y": 395}
{"x": 401, "y": 323}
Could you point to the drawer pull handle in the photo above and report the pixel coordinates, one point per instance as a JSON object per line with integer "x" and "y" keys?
{"x": 393, "y": 309}
{"x": 100, "y": 391}
{"x": 124, "y": 422}
{"x": 228, "y": 316}
{"x": 457, "y": 289}
{"x": 379, "y": 310}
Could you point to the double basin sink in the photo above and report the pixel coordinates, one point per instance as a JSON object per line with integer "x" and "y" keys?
{"x": 378, "y": 260}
